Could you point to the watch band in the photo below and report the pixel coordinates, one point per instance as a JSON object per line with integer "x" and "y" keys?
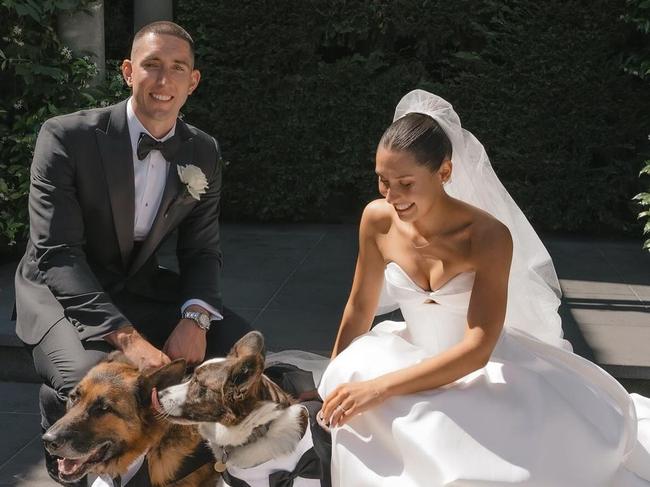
{"x": 202, "y": 320}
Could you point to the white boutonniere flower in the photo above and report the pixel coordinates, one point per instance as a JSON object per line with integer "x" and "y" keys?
{"x": 194, "y": 180}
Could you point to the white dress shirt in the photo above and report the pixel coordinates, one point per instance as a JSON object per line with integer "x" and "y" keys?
{"x": 150, "y": 176}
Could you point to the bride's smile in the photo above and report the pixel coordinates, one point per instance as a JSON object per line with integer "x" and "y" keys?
{"x": 411, "y": 188}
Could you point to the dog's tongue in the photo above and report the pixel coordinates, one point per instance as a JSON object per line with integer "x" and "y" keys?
{"x": 155, "y": 403}
{"x": 68, "y": 466}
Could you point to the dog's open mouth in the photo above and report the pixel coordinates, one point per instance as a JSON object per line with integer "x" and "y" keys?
{"x": 72, "y": 469}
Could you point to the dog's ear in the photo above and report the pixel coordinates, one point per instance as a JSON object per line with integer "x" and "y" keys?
{"x": 166, "y": 376}
{"x": 250, "y": 344}
{"x": 245, "y": 369}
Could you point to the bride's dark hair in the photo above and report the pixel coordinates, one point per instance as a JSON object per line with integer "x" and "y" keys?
{"x": 422, "y": 136}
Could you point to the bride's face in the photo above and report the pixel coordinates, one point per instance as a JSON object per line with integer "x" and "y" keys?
{"x": 410, "y": 187}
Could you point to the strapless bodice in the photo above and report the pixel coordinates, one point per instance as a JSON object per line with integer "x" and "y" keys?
{"x": 454, "y": 294}
{"x": 435, "y": 320}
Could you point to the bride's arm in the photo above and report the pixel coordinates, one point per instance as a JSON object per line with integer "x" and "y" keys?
{"x": 485, "y": 317}
{"x": 492, "y": 253}
{"x": 368, "y": 277}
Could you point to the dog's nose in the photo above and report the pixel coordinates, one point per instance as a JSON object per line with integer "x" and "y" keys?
{"x": 50, "y": 441}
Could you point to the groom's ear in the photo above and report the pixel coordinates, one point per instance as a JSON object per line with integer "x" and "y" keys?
{"x": 196, "y": 77}
{"x": 127, "y": 72}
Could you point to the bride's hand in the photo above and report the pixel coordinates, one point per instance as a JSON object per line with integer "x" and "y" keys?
{"x": 350, "y": 399}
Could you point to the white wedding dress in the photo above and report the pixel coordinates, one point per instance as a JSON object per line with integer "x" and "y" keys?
{"x": 536, "y": 415}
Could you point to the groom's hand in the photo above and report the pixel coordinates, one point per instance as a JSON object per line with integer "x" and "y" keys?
{"x": 136, "y": 348}
{"x": 187, "y": 341}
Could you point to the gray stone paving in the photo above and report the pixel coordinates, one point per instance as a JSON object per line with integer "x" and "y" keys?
{"x": 606, "y": 286}
{"x": 291, "y": 282}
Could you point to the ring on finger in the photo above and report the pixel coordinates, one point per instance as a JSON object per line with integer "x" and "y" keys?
{"x": 343, "y": 410}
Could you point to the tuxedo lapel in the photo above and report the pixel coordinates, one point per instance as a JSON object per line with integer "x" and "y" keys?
{"x": 117, "y": 159}
{"x": 173, "y": 193}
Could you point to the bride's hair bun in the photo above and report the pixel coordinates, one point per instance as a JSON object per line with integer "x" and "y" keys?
{"x": 420, "y": 135}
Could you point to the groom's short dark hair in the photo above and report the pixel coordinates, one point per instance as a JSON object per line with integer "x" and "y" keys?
{"x": 167, "y": 28}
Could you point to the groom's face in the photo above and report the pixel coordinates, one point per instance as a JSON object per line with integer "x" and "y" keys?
{"x": 161, "y": 75}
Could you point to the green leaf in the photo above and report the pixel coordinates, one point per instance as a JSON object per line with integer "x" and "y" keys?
{"x": 467, "y": 55}
{"x": 644, "y": 198}
{"x": 26, "y": 9}
{"x": 66, "y": 4}
{"x": 88, "y": 97}
{"x": 35, "y": 5}
{"x": 50, "y": 71}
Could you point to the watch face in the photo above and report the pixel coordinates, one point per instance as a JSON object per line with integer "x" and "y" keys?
{"x": 201, "y": 319}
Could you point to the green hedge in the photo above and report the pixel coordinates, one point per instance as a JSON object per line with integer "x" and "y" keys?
{"x": 40, "y": 78}
{"x": 298, "y": 93}
{"x": 637, "y": 62}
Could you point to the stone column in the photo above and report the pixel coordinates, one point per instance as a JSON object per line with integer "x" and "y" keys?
{"x": 83, "y": 32}
{"x": 147, "y": 11}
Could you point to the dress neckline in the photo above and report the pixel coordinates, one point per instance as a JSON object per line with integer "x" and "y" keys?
{"x": 420, "y": 288}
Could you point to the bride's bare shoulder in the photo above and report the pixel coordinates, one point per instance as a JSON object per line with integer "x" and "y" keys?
{"x": 489, "y": 237}
{"x": 377, "y": 217}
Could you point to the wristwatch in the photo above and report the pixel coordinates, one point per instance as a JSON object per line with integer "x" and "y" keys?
{"x": 201, "y": 319}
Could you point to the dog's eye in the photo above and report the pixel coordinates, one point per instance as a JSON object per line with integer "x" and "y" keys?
{"x": 73, "y": 397}
{"x": 100, "y": 407}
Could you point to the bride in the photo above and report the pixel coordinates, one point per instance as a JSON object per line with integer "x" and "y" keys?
{"x": 476, "y": 387}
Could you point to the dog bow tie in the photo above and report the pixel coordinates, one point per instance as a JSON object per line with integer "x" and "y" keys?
{"x": 167, "y": 148}
{"x": 308, "y": 467}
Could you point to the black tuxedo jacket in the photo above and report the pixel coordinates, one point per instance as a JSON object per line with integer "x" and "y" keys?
{"x": 81, "y": 207}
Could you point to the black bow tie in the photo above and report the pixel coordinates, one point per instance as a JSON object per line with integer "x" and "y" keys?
{"x": 167, "y": 148}
{"x": 308, "y": 467}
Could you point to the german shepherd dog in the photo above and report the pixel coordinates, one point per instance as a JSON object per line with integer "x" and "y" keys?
{"x": 109, "y": 423}
{"x": 257, "y": 432}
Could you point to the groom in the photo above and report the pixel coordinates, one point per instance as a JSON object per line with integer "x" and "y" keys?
{"x": 108, "y": 186}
